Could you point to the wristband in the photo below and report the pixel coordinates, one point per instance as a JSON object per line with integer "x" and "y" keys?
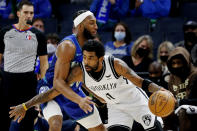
{"x": 145, "y": 84}
{"x": 24, "y": 106}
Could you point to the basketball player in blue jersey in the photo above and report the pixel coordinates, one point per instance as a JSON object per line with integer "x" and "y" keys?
{"x": 69, "y": 53}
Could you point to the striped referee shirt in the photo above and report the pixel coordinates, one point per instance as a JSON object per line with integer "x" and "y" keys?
{"x": 20, "y": 48}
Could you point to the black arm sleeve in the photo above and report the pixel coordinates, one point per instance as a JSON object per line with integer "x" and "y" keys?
{"x": 2, "y": 45}
{"x": 42, "y": 44}
{"x": 2, "y": 34}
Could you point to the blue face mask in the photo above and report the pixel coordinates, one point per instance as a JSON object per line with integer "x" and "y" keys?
{"x": 119, "y": 36}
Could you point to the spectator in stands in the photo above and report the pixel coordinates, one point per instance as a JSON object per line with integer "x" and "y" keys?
{"x": 42, "y": 8}
{"x": 156, "y": 74}
{"x": 183, "y": 83}
{"x": 162, "y": 56}
{"x": 121, "y": 38}
{"x": 7, "y": 9}
{"x": 39, "y": 24}
{"x": 109, "y": 12}
{"x": 141, "y": 55}
{"x": 53, "y": 39}
{"x": 151, "y": 8}
{"x": 190, "y": 39}
{"x": 52, "y": 42}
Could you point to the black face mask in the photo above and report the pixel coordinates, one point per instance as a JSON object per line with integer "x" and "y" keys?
{"x": 190, "y": 37}
{"x": 180, "y": 72}
{"x": 87, "y": 34}
{"x": 164, "y": 58}
{"x": 142, "y": 52}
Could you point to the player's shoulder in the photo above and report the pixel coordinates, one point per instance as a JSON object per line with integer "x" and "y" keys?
{"x": 113, "y": 60}
{"x": 66, "y": 49}
{"x": 118, "y": 61}
{"x": 66, "y": 44}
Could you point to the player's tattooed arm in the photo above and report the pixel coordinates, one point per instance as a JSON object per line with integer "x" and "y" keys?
{"x": 19, "y": 111}
{"x": 42, "y": 98}
{"x": 122, "y": 69}
{"x": 154, "y": 87}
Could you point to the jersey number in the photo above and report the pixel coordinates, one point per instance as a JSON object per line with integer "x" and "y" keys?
{"x": 109, "y": 96}
{"x": 126, "y": 80}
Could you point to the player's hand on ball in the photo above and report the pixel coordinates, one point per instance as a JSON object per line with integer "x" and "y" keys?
{"x": 85, "y": 104}
{"x": 18, "y": 112}
{"x": 162, "y": 89}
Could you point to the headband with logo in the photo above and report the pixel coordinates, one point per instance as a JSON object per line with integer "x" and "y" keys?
{"x": 81, "y": 17}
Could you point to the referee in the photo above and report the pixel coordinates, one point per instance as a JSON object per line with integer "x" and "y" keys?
{"x": 19, "y": 45}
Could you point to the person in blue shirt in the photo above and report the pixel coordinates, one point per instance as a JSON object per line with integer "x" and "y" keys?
{"x": 109, "y": 12}
{"x": 42, "y": 8}
{"x": 69, "y": 53}
{"x": 121, "y": 41}
{"x": 52, "y": 42}
{"x": 7, "y": 9}
{"x": 151, "y": 8}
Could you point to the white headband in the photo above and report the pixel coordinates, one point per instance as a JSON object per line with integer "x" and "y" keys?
{"x": 81, "y": 17}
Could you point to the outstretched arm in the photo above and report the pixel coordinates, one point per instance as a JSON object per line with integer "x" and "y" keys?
{"x": 19, "y": 111}
{"x": 123, "y": 70}
{"x": 65, "y": 54}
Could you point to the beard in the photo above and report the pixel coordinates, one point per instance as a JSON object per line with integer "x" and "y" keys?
{"x": 87, "y": 34}
{"x": 92, "y": 69}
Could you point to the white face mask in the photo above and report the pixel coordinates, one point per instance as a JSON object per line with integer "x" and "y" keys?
{"x": 119, "y": 35}
{"x": 50, "y": 48}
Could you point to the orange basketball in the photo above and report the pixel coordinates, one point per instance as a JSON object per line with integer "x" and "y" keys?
{"x": 161, "y": 103}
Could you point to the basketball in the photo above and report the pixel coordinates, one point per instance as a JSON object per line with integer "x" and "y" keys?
{"x": 161, "y": 103}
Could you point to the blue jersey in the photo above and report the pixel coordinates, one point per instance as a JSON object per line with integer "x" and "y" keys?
{"x": 72, "y": 109}
{"x": 119, "y": 52}
{"x": 37, "y": 67}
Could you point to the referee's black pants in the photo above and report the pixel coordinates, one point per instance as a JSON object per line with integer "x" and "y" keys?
{"x": 18, "y": 88}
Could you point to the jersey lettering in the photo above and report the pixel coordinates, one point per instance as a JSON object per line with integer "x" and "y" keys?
{"x": 107, "y": 86}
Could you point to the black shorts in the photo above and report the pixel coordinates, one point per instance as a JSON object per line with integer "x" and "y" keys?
{"x": 19, "y": 87}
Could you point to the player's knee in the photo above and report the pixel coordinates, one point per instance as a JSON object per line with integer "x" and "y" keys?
{"x": 55, "y": 123}
{"x": 118, "y": 128}
{"x": 100, "y": 127}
